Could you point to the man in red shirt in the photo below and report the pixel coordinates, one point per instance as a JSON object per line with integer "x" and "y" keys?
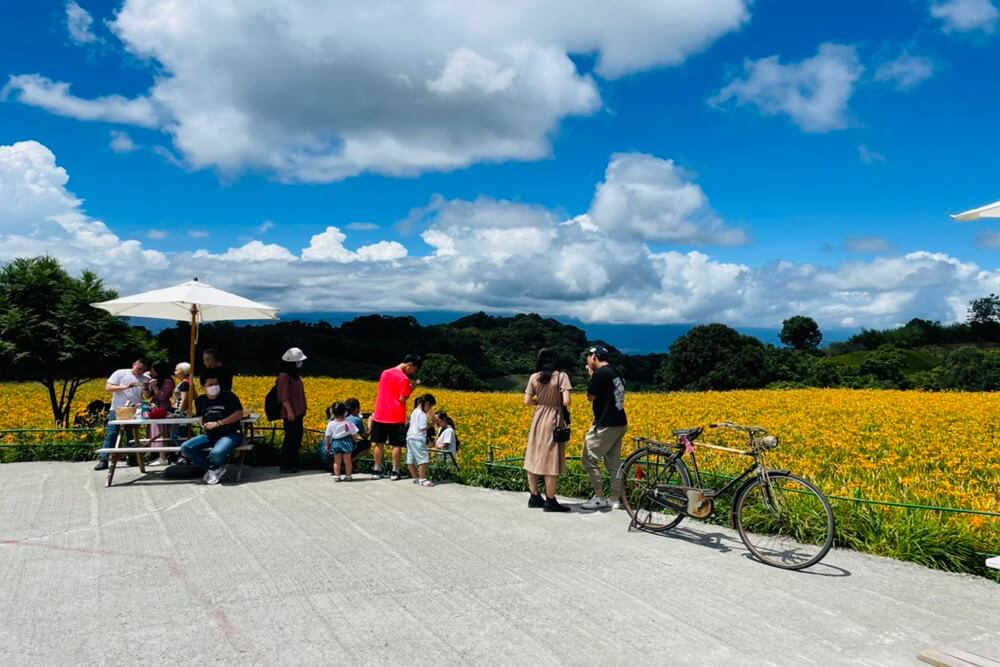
{"x": 389, "y": 419}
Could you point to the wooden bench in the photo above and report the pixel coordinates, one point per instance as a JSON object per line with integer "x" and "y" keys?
{"x": 115, "y": 452}
{"x": 957, "y": 656}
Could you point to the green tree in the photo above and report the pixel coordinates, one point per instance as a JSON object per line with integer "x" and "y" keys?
{"x": 50, "y": 334}
{"x": 886, "y": 366}
{"x": 801, "y": 333}
{"x": 714, "y": 356}
{"x": 447, "y": 372}
{"x": 971, "y": 369}
{"x": 985, "y": 310}
{"x": 826, "y": 373}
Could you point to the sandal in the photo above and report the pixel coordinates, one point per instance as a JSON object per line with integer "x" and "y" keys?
{"x": 426, "y": 483}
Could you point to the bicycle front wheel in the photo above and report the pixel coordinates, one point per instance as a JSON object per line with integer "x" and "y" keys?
{"x": 785, "y": 521}
{"x": 653, "y": 483}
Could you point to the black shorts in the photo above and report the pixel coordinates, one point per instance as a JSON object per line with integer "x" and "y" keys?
{"x": 388, "y": 434}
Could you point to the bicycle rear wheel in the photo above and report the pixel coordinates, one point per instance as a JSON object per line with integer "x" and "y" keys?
{"x": 651, "y": 478}
{"x": 787, "y": 522}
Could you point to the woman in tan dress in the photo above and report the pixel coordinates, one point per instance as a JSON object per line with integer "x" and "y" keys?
{"x": 548, "y": 391}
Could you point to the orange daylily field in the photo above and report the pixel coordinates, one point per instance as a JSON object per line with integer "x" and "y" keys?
{"x": 939, "y": 449}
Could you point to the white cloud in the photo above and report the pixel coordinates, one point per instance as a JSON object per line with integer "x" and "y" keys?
{"x": 966, "y": 15}
{"x": 156, "y": 234}
{"x": 198, "y": 233}
{"x": 868, "y": 244}
{"x": 869, "y": 156}
{"x": 121, "y": 142}
{"x": 433, "y": 86}
{"x": 905, "y": 72}
{"x": 78, "y": 24}
{"x": 495, "y": 255}
{"x": 328, "y": 246}
{"x": 814, "y": 92}
{"x": 265, "y": 227}
{"x": 649, "y": 199}
{"x": 56, "y": 97}
{"x": 254, "y": 251}
{"x": 40, "y": 216}
{"x": 362, "y": 227}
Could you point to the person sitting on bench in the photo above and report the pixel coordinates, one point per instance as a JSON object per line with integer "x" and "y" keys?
{"x": 221, "y": 413}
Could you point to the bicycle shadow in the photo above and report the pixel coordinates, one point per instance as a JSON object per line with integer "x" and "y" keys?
{"x": 725, "y": 543}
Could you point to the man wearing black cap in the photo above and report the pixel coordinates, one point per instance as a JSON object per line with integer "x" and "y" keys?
{"x": 606, "y": 392}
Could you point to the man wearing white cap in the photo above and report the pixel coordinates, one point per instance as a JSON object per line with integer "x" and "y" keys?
{"x": 292, "y": 397}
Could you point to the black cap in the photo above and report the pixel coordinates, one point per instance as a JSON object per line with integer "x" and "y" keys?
{"x": 598, "y": 351}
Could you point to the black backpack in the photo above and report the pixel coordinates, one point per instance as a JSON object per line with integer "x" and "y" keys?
{"x": 272, "y": 406}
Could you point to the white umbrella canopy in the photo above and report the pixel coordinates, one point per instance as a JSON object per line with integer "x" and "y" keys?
{"x": 181, "y": 301}
{"x": 988, "y": 211}
{"x": 194, "y": 302}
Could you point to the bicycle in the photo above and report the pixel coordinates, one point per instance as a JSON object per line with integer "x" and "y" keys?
{"x": 783, "y": 519}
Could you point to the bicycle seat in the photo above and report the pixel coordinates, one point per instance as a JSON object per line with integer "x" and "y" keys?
{"x": 689, "y": 433}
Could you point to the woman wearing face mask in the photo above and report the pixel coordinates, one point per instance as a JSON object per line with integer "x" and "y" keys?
{"x": 292, "y": 396}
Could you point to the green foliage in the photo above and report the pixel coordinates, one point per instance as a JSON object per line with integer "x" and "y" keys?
{"x": 886, "y": 366}
{"x": 825, "y": 372}
{"x": 714, "y": 356}
{"x": 49, "y": 333}
{"x": 985, "y": 310}
{"x": 801, "y": 333}
{"x": 445, "y": 371}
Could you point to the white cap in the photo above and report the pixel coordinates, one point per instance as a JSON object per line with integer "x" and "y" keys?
{"x": 293, "y": 354}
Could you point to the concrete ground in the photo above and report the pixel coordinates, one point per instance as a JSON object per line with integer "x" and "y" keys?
{"x": 300, "y": 570}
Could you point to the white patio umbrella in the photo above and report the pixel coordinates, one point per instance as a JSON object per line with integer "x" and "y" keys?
{"x": 194, "y": 302}
{"x": 988, "y": 211}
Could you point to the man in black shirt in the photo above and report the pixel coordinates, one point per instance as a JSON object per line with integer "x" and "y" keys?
{"x": 211, "y": 359}
{"x": 221, "y": 413}
{"x": 603, "y": 441}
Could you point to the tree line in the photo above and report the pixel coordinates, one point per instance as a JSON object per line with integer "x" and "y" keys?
{"x": 50, "y": 334}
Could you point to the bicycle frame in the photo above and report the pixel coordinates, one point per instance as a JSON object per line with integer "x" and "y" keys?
{"x": 685, "y": 446}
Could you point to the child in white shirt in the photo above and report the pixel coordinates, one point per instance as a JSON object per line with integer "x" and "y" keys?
{"x": 338, "y": 441}
{"x": 416, "y": 440}
{"x": 447, "y": 438}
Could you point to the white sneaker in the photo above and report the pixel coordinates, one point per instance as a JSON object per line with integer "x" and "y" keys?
{"x": 596, "y": 503}
{"x": 215, "y": 476}
{"x": 617, "y": 505}
{"x": 207, "y": 476}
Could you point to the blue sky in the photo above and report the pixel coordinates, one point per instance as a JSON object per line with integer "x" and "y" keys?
{"x": 782, "y": 157}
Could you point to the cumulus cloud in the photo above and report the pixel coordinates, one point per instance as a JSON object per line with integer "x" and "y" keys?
{"x": 78, "y": 24}
{"x": 646, "y": 198}
{"x": 814, "y": 92}
{"x": 40, "y": 216}
{"x": 432, "y": 86}
{"x": 498, "y": 255}
{"x": 905, "y": 72}
{"x": 966, "y": 15}
{"x": 328, "y": 246}
{"x": 254, "y": 251}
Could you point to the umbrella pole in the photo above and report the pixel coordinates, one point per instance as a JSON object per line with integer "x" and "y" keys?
{"x": 191, "y": 389}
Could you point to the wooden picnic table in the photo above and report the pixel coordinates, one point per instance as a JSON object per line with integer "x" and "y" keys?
{"x": 133, "y": 427}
